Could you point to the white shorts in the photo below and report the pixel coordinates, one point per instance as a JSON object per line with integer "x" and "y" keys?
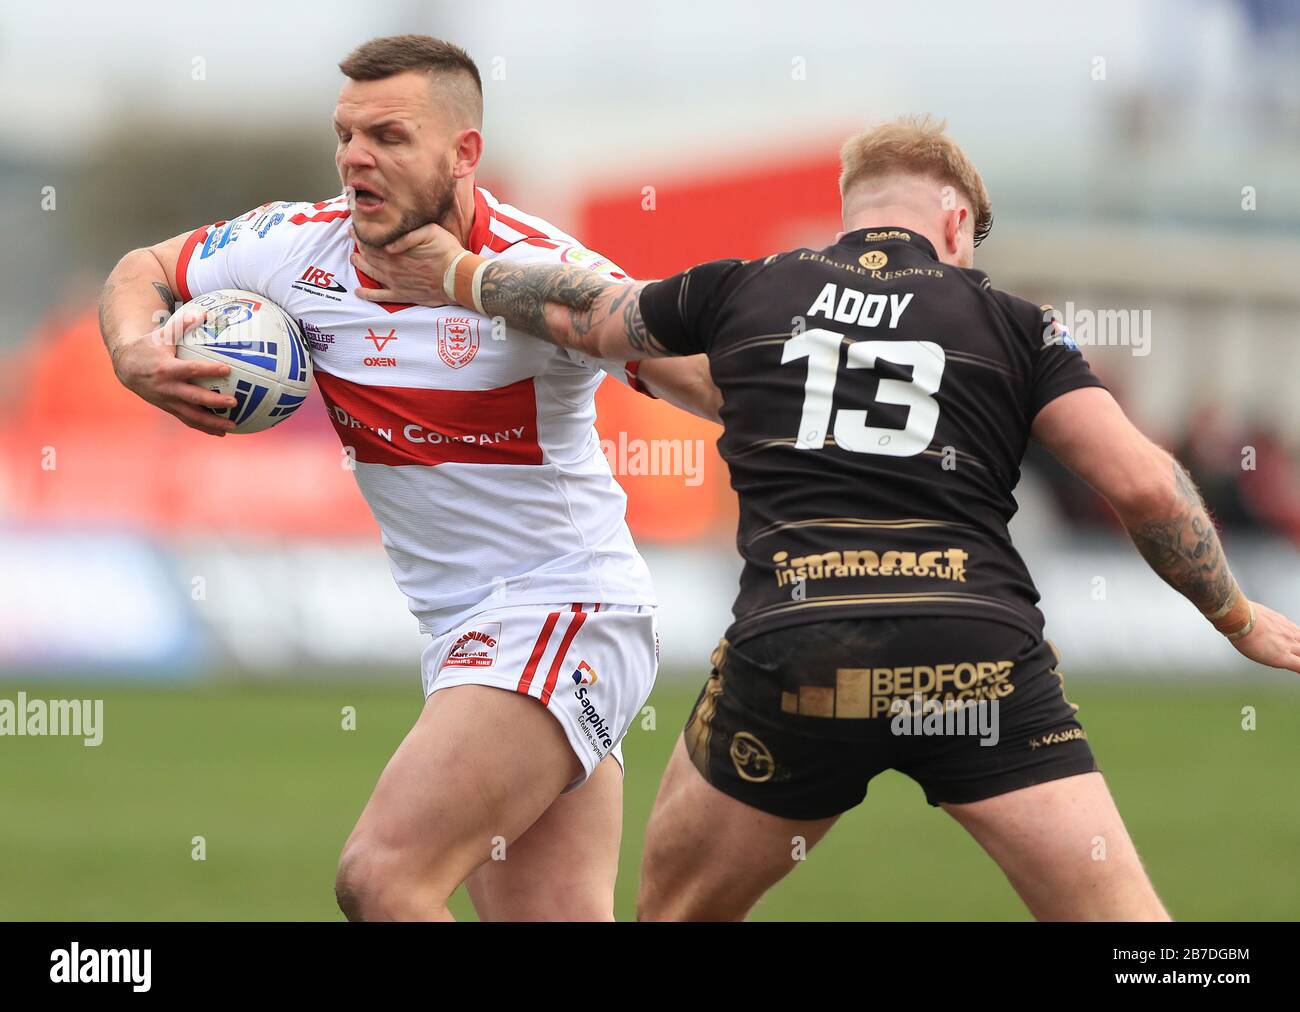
{"x": 591, "y": 665}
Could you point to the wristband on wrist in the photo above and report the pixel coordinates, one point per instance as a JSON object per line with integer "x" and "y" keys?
{"x": 1244, "y": 630}
{"x": 449, "y": 276}
{"x": 1235, "y": 618}
{"x": 476, "y": 285}
{"x": 464, "y": 280}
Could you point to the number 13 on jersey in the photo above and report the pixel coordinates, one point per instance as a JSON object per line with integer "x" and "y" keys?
{"x": 851, "y": 431}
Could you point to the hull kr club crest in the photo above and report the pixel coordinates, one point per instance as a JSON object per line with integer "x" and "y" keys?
{"x": 458, "y": 340}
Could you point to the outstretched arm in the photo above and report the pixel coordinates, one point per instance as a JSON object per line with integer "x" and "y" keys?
{"x": 568, "y": 306}
{"x": 1163, "y": 512}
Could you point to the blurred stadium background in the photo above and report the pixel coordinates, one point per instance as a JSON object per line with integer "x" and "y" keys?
{"x": 227, "y": 597}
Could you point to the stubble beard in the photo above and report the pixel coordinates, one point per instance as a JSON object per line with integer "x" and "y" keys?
{"x": 432, "y": 204}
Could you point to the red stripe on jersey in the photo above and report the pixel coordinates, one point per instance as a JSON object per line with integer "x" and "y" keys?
{"x": 187, "y": 253}
{"x": 539, "y": 648}
{"x": 303, "y": 219}
{"x": 527, "y": 231}
{"x": 544, "y": 243}
{"x": 553, "y": 675}
{"x": 479, "y": 231}
{"x": 367, "y": 281}
{"x": 411, "y": 425}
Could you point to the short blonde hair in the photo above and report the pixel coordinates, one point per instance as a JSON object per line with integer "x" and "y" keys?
{"x": 917, "y": 146}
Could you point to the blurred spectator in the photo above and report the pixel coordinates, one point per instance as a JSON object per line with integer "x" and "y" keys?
{"x": 1212, "y": 451}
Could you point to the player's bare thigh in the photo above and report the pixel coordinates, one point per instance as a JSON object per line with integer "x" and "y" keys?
{"x": 565, "y": 864}
{"x": 481, "y": 763}
{"x": 1065, "y": 850}
{"x": 709, "y": 856}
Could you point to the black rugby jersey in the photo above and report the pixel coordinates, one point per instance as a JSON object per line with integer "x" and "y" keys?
{"x": 876, "y": 406}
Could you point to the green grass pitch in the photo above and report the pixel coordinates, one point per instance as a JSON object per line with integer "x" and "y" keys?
{"x": 265, "y": 773}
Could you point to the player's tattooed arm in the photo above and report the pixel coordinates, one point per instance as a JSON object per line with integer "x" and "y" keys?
{"x": 568, "y": 306}
{"x": 165, "y": 293}
{"x": 571, "y": 307}
{"x": 1164, "y": 514}
{"x": 1184, "y": 550}
{"x": 141, "y": 335}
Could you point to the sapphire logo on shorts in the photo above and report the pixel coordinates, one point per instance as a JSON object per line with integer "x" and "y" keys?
{"x": 585, "y": 674}
{"x": 600, "y": 736}
{"x": 476, "y": 648}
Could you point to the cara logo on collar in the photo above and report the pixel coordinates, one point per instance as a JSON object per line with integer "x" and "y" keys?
{"x": 458, "y": 340}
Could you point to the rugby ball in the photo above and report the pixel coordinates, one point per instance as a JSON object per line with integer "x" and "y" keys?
{"x": 270, "y": 369}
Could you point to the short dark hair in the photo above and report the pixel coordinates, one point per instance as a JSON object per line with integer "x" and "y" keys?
{"x": 395, "y": 54}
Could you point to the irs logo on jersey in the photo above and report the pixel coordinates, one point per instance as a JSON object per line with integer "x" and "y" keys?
{"x": 316, "y": 281}
{"x": 458, "y": 340}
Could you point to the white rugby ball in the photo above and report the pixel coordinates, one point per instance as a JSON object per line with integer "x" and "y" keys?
{"x": 270, "y": 369}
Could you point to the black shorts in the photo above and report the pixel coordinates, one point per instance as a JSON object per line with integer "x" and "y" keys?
{"x": 795, "y": 722}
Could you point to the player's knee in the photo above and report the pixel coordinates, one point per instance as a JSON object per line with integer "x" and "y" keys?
{"x": 673, "y": 898}
{"x": 354, "y": 883}
{"x": 665, "y": 883}
{"x": 373, "y": 884}
{"x": 651, "y": 903}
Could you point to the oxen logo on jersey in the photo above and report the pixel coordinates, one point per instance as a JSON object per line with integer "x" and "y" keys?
{"x": 380, "y": 341}
{"x": 585, "y": 674}
{"x": 476, "y": 648}
{"x": 458, "y": 340}
{"x": 873, "y": 259}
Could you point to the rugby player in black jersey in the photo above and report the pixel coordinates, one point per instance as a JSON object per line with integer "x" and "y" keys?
{"x": 878, "y": 396}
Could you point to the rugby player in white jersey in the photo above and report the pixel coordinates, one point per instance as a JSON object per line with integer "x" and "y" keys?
{"x": 475, "y": 448}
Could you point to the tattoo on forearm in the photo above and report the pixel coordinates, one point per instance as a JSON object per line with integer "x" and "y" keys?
{"x": 1185, "y": 551}
{"x": 522, "y": 295}
{"x": 634, "y": 328}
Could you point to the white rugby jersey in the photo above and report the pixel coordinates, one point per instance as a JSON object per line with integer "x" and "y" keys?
{"x": 476, "y": 449}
